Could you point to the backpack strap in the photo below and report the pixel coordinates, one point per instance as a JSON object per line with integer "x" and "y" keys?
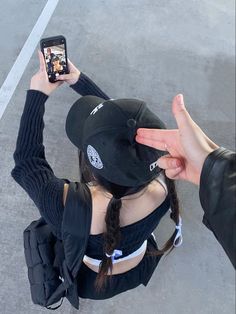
{"x": 75, "y": 233}
{"x": 76, "y": 225}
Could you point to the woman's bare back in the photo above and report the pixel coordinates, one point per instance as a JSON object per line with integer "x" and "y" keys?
{"x": 131, "y": 211}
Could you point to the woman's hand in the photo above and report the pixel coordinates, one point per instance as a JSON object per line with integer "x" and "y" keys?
{"x": 188, "y": 146}
{"x": 72, "y": 77}
{"x": 40, "y": 80}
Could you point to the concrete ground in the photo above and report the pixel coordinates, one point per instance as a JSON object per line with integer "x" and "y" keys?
{"x": 145, "y": 49}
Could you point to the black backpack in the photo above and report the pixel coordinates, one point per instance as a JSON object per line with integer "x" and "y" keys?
{"x": 53, "y": 263}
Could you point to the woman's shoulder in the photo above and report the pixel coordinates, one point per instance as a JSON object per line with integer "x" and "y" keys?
{"x": 76, "y": 184}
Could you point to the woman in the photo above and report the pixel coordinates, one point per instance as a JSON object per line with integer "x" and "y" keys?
{"x": 130, "y": 194}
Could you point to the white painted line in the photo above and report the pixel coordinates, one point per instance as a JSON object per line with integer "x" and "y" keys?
{"x": 8, "y": 87}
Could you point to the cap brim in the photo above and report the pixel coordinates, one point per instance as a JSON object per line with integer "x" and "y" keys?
{"x": 77, "y": 116}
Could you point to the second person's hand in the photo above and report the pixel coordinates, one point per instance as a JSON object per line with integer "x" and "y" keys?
{"x": 188, "y": 146}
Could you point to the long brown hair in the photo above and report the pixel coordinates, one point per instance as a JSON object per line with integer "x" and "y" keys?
{"x": 112, "y": 236}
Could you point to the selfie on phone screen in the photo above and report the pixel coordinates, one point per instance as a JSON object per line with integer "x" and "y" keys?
{"x": 55, "y": 60}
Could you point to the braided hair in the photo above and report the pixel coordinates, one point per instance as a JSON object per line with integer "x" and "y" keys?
{"x": 112, "y": 236}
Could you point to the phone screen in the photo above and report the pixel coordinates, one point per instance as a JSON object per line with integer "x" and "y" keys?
{"x": 55, "y": 58}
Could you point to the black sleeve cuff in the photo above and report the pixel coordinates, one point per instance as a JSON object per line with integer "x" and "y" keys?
{"x": 36, "y": 96}
{"x": 207, "y": 172}
{"x": 81, "y": 79}
{"x": 85, "y": 86}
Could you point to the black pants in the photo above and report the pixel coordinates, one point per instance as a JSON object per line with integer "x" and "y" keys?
{"x": 140, "y": 274}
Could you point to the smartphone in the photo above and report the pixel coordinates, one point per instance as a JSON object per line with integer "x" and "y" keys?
{"x": 55, "y": 55}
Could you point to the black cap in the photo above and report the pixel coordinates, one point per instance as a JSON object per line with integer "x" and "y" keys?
{"x": 105, "y": 131}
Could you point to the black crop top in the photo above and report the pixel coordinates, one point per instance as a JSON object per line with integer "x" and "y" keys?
{"x": 132, "y": 235}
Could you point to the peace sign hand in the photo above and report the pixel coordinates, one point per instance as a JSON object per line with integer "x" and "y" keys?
{"x": 188, "y": 146}
{"x": 40, "y": 80}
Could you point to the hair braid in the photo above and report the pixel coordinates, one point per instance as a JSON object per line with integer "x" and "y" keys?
{"x": 174, "y": 201}
{"x": 112, "y": 238}
{"x": 174, "y": 215}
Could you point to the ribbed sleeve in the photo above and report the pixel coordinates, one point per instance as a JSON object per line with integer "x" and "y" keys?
{"x": 85, "y": 86}
{"x": 32, "y": 171}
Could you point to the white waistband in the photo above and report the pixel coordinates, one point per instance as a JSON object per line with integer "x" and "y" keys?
{"x": 96, "y": 262}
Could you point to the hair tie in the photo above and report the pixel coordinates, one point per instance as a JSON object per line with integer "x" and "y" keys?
{"x": 115, "y": 253}
{"x": 115, "y": 198}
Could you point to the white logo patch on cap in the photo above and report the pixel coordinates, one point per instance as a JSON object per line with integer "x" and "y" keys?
{"x": 94, "y": 157}
{"x": 153, "y": 165}
{"x": 95, "y": 110}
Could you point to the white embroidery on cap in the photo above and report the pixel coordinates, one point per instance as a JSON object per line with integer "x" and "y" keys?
{"x": 153, "y": 165}
{"x": 94, "y": 157}
{"x": 96, "y": 109}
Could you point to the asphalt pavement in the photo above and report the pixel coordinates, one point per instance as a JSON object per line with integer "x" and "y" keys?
{"x": 144, "y": 49}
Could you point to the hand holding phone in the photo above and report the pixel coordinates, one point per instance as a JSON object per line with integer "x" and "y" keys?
{"x": 55, "y": 55}
{"x": 40, "y": 82}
